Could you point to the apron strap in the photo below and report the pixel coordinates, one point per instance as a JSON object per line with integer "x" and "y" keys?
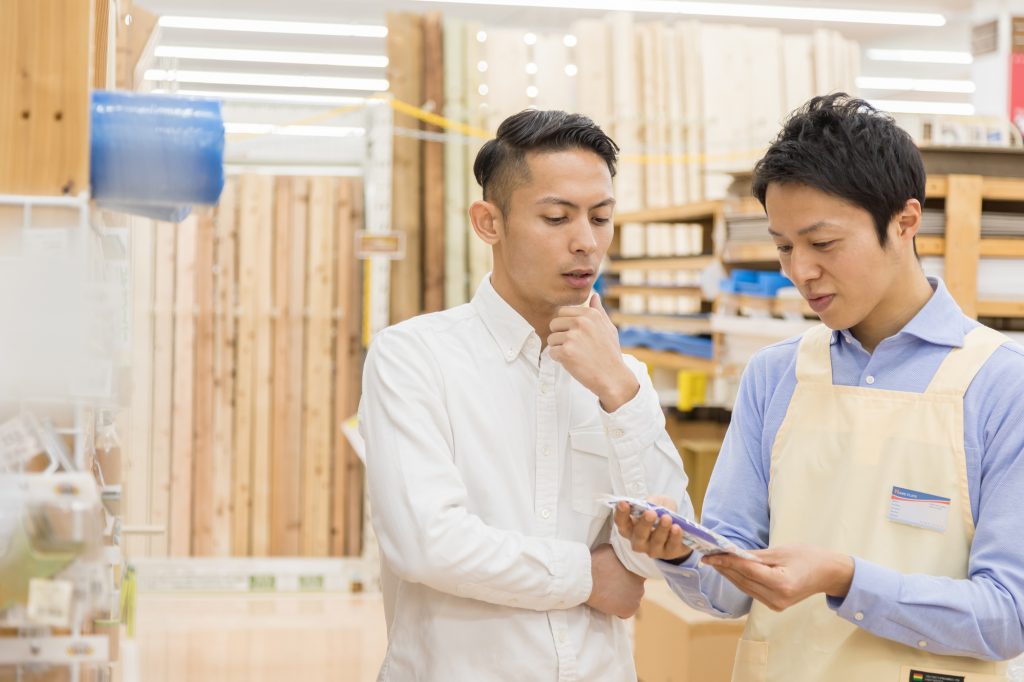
{"x": 814, "y": 357}
{"x": 961, "y": 365}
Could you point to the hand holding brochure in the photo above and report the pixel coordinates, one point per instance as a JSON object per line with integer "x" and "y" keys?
{"x": 695, "y": 536}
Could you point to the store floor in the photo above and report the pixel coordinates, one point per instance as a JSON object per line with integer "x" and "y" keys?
{"x": 260, "y": 638}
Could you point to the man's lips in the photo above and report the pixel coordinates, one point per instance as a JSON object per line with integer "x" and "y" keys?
{"x": 819, "y": 302}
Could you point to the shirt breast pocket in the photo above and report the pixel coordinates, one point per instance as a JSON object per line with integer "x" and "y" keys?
{"x": 591, "y": 474}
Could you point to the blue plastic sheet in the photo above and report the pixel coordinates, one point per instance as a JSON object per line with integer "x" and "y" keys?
{"x": 156, "y": 155}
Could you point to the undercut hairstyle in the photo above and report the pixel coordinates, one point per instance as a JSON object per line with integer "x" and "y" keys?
{"x": 845, "y": 147}
{"x": 501, "y": 166}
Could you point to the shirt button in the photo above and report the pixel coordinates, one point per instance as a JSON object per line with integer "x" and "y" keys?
{"x": 858, "y": 616}
{"x": 636, "y": 487}
{"x": 544, "y": 388}
{"x": 617, "y": 433}
{"x": 545, "y": 513}
{"x": 922, "y": 644}
{"x": 547, "y": 451}
{"x": 870, "y": 380}
{"x": 561, "y": 638}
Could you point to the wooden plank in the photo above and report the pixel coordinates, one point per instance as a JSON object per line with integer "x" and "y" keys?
{"x": 102, "y": 41}
{"x": 225, "y": 346}
{"x": 1003, "y": 189}
{"x": 683, "y": 263}
{"x": 263, "y": 356}
{"x": 346, "y": 349}
{"x": 134, "y": 30}
{"x": 182, "y": 403}
{"x": 687, "y": 213}
{"x": 931, "y": 246}
{"x": 1000, "y": 308}
{"x": 616, "y": 290}
{"x": 963, "y": 240}
{"x": 245, "y": 369}
{"x": 456, "y": 291}
{"x": 318, "y": 412}
{"x": 354, "y": 495}
{"x": 433, "y": 168}
{"x": 669, "y": 360}
{"x": 405, "y": 75}
{"x": 936, "y": 186}
{"x": 203, "y": 459}
{"x": 138, "y": 455}
{"x": 668, "y": 323}
{"x": 284, "y": 497}
{"x": 750, "y": 252}
{"x": 163, "y": 385}
{"x": 45, "y": 79}
{"x": 290, "y": 484}
{"x": 1009, "y": 247}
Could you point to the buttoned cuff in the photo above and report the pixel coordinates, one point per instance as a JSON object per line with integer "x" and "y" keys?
{"x": 873, "y": 594}
{"x": 685, "y": 580}
{"x": 573, "y": 580}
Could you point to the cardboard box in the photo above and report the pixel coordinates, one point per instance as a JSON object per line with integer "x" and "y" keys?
{"x": 675, "y": 643}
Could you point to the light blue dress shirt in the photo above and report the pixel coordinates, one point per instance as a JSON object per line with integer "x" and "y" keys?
{"x": 982, "y": 616}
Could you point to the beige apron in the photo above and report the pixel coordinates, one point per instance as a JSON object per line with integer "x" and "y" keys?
{"x": 836, "y": 458}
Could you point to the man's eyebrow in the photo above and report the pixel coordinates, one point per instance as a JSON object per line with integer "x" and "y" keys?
{"x": 559, "y": 201}
{"x": 804, "y": 230}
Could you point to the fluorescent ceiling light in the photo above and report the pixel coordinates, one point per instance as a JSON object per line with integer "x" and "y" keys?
{"x": 268, "y": 80}
{"x": 308, "y": 28}
{"x": 719, "y": 9}
{"x": 915, "y": 84}
{"x": 921, "y": 56}
{"x": 269, "y": 97}
{"x": 292, "y": 130}
{"x": 273, "y": 56}
{"x": 910, "y": 107}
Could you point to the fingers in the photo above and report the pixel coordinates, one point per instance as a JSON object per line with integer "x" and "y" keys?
{"x": 623, "y": 521}
{"x": 595, "y": 301}
{"x": 750, "y": 587}
{"x": 642, "y": 529}
{"x": 558, "y": 339}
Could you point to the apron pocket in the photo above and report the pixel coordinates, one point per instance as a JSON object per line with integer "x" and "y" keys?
{"x": 591, "y": 476}
{"x": 751, "y": 661}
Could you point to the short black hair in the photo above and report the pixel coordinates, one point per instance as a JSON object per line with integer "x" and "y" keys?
{"x": 500, "y": 165}
{"x": 845, "y": 147}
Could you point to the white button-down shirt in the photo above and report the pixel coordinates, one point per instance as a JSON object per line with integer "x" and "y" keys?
{"x": 484, "y": 459}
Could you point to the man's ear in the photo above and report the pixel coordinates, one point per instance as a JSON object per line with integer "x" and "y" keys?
{"x": 909, "y": 220}
{"x": 487, "y": 221}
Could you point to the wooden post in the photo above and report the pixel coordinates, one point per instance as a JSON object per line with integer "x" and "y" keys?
{"x": 139, "y": 457}
{"x": 203, "y": 459}
{"x": 182, "y": 403}
{"x": 263, "y": 352}
{"x": 316, "y": 489}
{"x": 433, "y": 169}
{"x": 163, "y": 384}
{"x": 405, "y": 75}
{"x": 289, "y": 247}
{"x": 963, "y": 240}
{"x": 245, "y": 370}
{"x": 45, "y": 78}
{"x": 354, "y": 492}
{"x": 224, "y": 342}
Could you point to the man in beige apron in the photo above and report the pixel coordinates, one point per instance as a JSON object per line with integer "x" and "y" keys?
{"x": 874, "y": 460}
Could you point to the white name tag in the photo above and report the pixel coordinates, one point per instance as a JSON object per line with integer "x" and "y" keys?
{"x": 918, "y": 509}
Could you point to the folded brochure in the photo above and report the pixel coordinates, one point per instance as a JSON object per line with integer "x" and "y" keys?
{"x": 695, "y": 536}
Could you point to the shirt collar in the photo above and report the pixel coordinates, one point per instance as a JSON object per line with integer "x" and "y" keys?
{"x": 938, "y": 322}
{"x": 508, "y": 328}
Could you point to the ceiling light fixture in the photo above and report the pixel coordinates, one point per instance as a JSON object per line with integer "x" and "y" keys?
{"x": 308, "y": 28}
{"x": 268, "y": 80}
{"x": 915, "y": 84}
{"x": 265, "y": 97}
{"x": 910, "y": 107}
{"x": 920, "y": 56}
{"x": 721, "y": 9}
{"x": 273, "y": 56}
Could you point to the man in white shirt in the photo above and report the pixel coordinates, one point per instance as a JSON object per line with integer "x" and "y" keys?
{"x": 492, "y": 428}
